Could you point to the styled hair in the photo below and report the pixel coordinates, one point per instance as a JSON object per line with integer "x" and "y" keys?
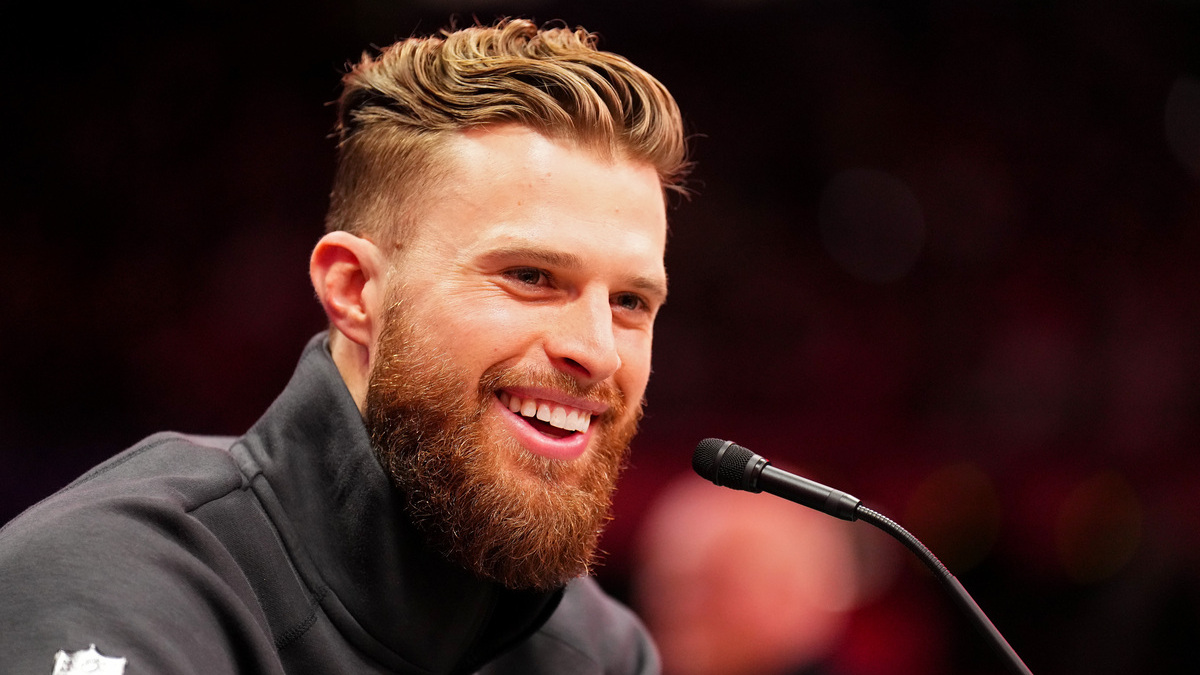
{"x": 396, "y": 108}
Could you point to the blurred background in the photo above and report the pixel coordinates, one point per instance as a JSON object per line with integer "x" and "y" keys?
{"x": 941, "y": 255}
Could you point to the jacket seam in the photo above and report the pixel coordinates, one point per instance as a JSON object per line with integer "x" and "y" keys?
{"x": 109, "y": 466}
{"x": 296, "y": 632}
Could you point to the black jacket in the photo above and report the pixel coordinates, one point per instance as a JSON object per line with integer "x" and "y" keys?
{"x": 283, "y": 551}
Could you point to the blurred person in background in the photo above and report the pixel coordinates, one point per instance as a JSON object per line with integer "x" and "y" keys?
{"x": 735, "y": 583}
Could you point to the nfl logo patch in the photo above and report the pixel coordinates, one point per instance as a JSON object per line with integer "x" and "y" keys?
{"x": 87, "y": 661}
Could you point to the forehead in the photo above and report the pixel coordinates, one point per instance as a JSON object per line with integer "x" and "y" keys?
{"x": 510, "y": 186}
{"x": 517, "y": 152}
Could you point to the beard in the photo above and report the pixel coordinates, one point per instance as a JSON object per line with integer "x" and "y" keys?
{"x": 477, "y": 496}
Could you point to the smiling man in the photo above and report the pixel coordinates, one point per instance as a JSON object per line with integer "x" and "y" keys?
{"x": 511, "y": 349}
{"x": 426, "y": 494}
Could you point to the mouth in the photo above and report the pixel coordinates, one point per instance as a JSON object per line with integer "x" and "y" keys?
{"x": 550, "y": 418}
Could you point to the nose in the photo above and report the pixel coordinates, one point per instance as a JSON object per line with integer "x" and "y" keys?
{"x": 581, "y": 341}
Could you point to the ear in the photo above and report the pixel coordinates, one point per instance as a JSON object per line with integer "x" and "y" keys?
{"x": 349, "y": 274}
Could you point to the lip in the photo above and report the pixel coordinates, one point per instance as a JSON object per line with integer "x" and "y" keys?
{"x": 562, "y": 449}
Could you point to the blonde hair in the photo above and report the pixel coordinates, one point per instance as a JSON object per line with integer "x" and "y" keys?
{"x": 396, "y": 107}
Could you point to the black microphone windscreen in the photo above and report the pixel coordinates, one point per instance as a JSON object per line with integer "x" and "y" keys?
{"x": 725, "y": 463}
{"x": 704, "y": 460}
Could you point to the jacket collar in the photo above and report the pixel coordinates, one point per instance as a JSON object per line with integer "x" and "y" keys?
{"x": 344, "y": 525}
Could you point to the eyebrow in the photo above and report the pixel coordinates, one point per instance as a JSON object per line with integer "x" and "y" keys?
{"x": 571, "y": 261}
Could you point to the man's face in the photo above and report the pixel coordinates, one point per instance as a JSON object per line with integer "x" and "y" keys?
{"x": 510, "y": 372}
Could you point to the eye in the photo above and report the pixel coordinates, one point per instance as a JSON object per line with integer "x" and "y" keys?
{"x": 631, "y": 302}
{"x": 530, "y": 276}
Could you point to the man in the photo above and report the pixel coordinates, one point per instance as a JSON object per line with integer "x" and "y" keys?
{"x": 426, "y": 494}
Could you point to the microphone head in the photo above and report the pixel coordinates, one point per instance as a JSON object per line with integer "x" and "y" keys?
{"x": 704, "y": 460}
{"x": 727, "y": 463}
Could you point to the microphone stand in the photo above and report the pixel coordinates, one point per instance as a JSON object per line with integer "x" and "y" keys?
{"x": 958, "y": 593}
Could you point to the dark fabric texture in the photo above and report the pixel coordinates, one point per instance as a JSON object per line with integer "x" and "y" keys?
{"x": 283, "y": 551}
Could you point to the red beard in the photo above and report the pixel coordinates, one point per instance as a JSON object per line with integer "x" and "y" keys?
{"x": 485, "y": 502}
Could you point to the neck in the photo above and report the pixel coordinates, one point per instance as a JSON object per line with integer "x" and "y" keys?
{"x": 353, "y": 363}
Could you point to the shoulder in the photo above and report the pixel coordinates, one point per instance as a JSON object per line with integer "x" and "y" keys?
{"x": 163, "y": 478}
{"x": 164, "y": 475}
{"x": 589, "y": 633}
{"x": 174, "y": 466}
{"x": 119, "y": 559}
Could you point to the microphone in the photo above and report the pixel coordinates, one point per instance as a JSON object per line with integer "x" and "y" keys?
{"x": 730, "y": 465}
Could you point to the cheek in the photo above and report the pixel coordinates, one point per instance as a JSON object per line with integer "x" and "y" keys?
{"x": 634, "y": 349}
{"x": 480, "y": 334}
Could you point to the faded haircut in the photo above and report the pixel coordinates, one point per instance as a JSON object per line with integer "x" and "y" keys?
{"x": 397, "y": 107}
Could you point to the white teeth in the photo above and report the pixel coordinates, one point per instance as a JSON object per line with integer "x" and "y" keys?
{"x": 557, "y": 416}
